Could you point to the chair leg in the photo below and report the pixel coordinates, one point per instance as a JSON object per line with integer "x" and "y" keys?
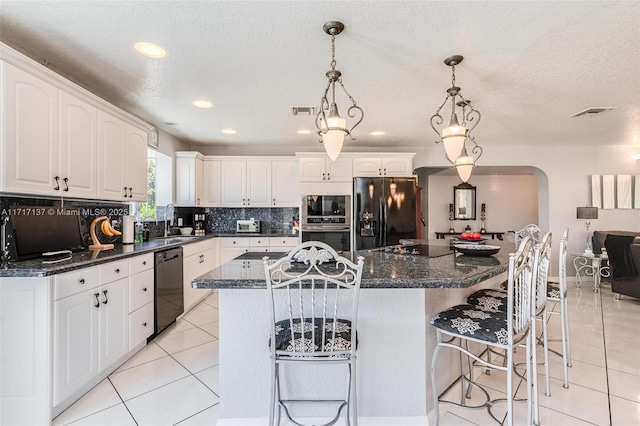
{"x": 534, "y": 371}
{"x": 354, "y": 385}
{"x": 272, "y": 399}
{"x": 510, "y": 387}
{"x": 278, "y": 396}
{"x": 565, "y": 315}
{"x": 434, "y": 385}
{"x": 528, "y": 378}
{"x": 545, "y": 345}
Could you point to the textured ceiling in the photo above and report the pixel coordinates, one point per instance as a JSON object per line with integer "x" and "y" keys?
{"x": 527, "y": 67}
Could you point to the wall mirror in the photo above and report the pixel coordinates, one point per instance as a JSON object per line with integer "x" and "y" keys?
{"x": 464, "y": 202}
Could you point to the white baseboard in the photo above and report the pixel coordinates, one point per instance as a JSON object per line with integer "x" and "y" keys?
{"x": 362, "y": 421}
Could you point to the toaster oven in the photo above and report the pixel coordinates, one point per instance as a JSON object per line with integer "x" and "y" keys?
{"x": 248, "y": 225}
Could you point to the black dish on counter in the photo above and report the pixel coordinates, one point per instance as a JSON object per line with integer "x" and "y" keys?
{"x": 476, "y": 249}
{"x": 461, "y": 241}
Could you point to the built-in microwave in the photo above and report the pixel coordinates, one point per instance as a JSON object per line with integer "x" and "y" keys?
{"x": 319, "y": 209}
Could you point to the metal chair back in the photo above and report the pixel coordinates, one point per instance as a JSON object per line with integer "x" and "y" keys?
{"x": 531, "y": 230}
{"x": 519, "y": 290}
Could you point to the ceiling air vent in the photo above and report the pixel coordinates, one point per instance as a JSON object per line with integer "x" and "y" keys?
{"x": 592, "y": 111}
{"x": 306, "y": 110}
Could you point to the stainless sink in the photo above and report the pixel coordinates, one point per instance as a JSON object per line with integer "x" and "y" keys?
{"x": 172, "y": 239}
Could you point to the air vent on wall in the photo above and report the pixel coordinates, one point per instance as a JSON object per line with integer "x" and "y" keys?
{"x": 592, "y": 111}
{"x": 303, "y": 110}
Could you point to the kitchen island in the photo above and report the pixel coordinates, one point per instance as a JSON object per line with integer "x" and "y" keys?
{"x": 400, "y": 293}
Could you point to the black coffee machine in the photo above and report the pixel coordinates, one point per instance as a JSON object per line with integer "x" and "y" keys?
{"x": 198, "y": 224}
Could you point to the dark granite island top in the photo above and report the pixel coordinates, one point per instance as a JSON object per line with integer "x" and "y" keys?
{"x": 381, "y": 269}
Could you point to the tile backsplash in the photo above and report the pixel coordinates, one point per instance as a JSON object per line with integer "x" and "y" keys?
{"x": 219, "y": 220}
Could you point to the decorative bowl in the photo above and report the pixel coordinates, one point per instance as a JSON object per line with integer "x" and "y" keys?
{"x": 186, "y": 231}
{"x": 461, "y": 241}
{"x": 476, "y": 249}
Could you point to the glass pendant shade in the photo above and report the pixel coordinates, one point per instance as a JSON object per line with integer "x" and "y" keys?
{"x": 334, "y": 138}
{"x": 453, "y": 138}
{"x": 464, "y": 165}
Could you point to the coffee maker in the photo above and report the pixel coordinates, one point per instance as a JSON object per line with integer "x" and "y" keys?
{"x": 198, "y": 224}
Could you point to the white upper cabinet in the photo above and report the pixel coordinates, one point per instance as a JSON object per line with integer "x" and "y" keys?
{"x": 136, "y": 163}
{"x": 78, "y": 146}
{"x": 259, "y": 184}
{"x": 111, "y": 158}
{"x": 246, "y": 183}
{"x": 285, "y": 190}
{"x": 383, "y": 166}
{"x": 29, "y": 133}
{"x": 211, "y": 196}
{"x": 234, "y": 183}
{"x": 57, "y": 139}
{"x": 321, "y": 169}
{"x": 189, "y": 178}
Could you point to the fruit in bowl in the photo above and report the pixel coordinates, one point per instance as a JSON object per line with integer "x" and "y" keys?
{"x": 471, "y": 236}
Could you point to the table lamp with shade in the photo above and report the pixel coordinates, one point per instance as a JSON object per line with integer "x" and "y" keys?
{"x": 587, "y": 213}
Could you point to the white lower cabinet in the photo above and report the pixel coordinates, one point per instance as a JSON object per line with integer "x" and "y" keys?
{"x": 90, "y": 333}
{"x": 141, "y": 288}
{"x": 198, "y": 258}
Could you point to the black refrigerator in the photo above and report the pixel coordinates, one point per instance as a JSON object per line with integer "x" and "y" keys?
{"x": 384, "y": 211}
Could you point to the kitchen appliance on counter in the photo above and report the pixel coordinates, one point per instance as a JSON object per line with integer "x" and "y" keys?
{"x": 384, "y": 211}
{"x": 327, "y": 218}
{"x": 198, "y": 224}
{"x": 248, "y": 225}
{"x": 169, "y": 293}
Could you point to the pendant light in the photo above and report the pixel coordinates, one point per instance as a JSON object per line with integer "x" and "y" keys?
{"x": 332, "y": 128}
{"x": 457, "y": 133}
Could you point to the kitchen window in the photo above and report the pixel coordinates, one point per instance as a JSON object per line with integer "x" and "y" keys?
{"x": 159, "y": 187}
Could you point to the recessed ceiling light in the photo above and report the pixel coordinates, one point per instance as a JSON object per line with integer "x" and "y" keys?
{"x": 202, "y": 104}
{"x": 303, "y": 132}
{"x": 229, "y": 132}
{"x": 377, "y": 133}
{"x": 635, "y": 156}
{"x": 150, "y": 50}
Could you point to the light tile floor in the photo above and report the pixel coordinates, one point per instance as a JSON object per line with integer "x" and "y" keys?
{"x": 174, "y": 379}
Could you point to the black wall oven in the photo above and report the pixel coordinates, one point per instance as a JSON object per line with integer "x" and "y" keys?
{"x": 327, "y": 218}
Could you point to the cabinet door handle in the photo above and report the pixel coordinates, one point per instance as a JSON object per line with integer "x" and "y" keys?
{"x": 125, "y": 191}
{"x": 323, "y": 176}
{"x": 105, "y": 297}
{"x": 248, "y": 203}
{"x": 328, "y": 176}
{"x": 144, "y": 263}
{"x": 130, "y": 192}
{"x": 385, "y": 172}
{"x": 274, "y": 201}
{"x": 66, "y": 184}
{"x": 202, "y": 258}
{"x": 144, "y": 324}
{"x": 81, "y": 280}
{"x": 117, "y": 270}
{"x": 97, "y": 305}
{"x": 144, "y": 289}
{"x": 57, "y": 188}
{"x": 379, "y": 172}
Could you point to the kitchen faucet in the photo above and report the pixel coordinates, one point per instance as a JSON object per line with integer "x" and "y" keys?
{"x": 167, "y": 209}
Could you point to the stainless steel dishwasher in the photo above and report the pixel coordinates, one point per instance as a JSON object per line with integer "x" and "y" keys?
{"x": 169, "y": 298}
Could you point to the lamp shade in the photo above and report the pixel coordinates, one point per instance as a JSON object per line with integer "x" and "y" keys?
{"x": 334, "y": 139}
{"x": 464, "y": 165}
{"x": 453, "y": 138}
{"x": 587, "y": 212}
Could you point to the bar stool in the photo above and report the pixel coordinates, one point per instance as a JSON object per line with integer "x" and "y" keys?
{"x": 496, "y": 299}
{"x": 313, "y": 303}
{"x": 557, "y": 293}
{"x": 498, "y": 329}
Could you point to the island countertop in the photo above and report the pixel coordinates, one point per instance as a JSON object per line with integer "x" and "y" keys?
{"x": 381, "y": 269}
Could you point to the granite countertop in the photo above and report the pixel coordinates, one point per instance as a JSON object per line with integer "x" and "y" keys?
{"x": 381, "y": 270}
{"x": 88, "y": 258}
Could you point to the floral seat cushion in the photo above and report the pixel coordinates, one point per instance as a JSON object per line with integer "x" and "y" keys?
{"x": 489, "y": 299}
{"x": 472, "y": 321}
{"x": 308, "y": 330}
{"x": 553, "y": 290}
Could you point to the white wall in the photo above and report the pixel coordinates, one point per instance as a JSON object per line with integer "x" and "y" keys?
{"x": 512, "y": 202}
